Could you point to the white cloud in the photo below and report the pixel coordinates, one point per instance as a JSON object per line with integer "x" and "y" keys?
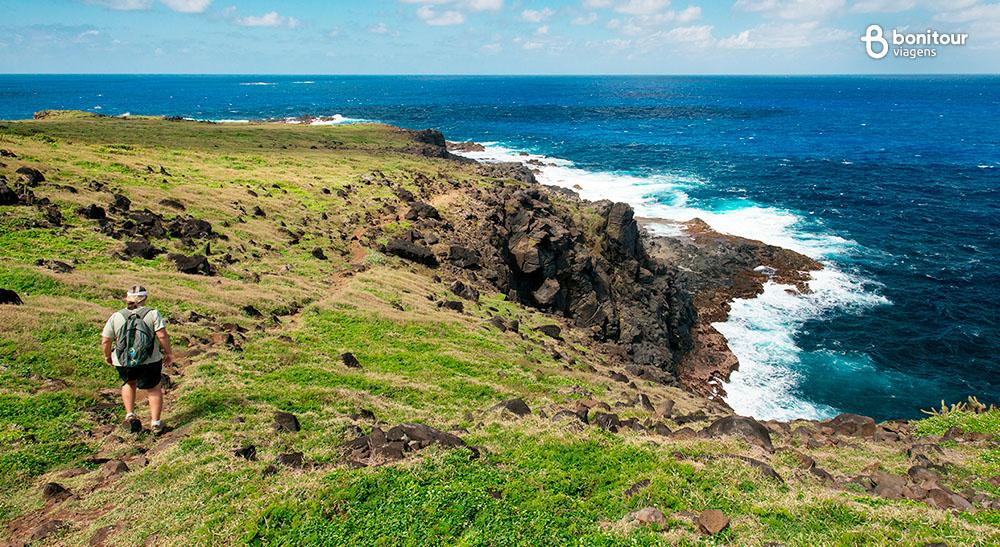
{"x": 183, "y": 6}
{"x": 646, "y": 24}
{"x": 598, "y": 3}
{"x": 787, "y": 36}
{"x": 791, "y": 9}
{"x": 491, "y": 48}
{"x": 536, "y": 16}
{"x": 379, "y": 28}
{"x": 584, "y": 20}
{"x": 470, "y": 5}
{"x": 83, "y": 36}
{"x": 642, "y": 7}
{"x": 882, "y": 6}
{"x": 542, "y": 30}
{"x": 434, "y": 18}
{"x": 976, "y": 13}
{"x": 269, "y": 19}
{"x": 124, "y": 5}
{"x": 187, "y": 6}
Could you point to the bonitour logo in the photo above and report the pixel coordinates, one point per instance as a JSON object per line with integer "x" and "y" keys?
{"x": 909, "y": 45}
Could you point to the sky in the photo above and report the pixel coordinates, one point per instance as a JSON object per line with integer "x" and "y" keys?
{"x": 485, "y": 36}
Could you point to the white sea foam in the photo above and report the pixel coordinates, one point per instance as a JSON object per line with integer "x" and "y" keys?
{"x": 336, "y": 119}
{"x": 304, "y": 82}
{"x": 258, "y": 83}
{"x": 760, "y": 331}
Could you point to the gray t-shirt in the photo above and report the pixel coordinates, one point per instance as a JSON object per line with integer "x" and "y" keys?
{"x": 153, "y": 319}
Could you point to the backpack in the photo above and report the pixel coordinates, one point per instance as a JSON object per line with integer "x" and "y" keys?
{"x": 134, "y": 342}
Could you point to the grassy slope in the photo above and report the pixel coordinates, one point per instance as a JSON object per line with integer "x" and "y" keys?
{"x": 536, "y": 482}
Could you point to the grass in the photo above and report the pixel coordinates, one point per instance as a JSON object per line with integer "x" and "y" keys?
{"x": 531, "y": 481}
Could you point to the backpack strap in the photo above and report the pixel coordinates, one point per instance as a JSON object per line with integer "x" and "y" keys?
{"x": 142, "y": 312}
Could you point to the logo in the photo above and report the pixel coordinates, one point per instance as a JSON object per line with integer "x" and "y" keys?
{"x": 909, "y": 45}
{"x": 873, "y": 35}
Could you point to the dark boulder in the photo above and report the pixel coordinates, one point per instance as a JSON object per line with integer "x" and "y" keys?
{"x": 292, "y": 459}
{"x": 286, "y": 421}
{"x": 547, "y": 292}
{"x": 190, "y": 228}
{"x": 30, "y": 175}
{"x": 172, "y": 203}
{"x": 454, "y": 305}
{"x": 508, "y": 170}
{"x": 463, "y": 257}
{"x": 552, "y": 331}
{"x": 411, "y": 251}
{"x": 515, "y": 406}
{"x": 4, "y": 153}
{"x": 748, "y": 428}
{"x": 421, "y": 210}
{"x": 349, "y": 360}
{"x": 120, "y": 203}
{"x": 248, "y": 452}
{"x": 145, "y": 223}
{"x": 194, "y": 264}
{"x": 141, "y": 248}
{"x": 465, "y": 291}
{"x": 8, "y": 296}
{"x": 622, "y": 230}
{"x": 54, "y": 491}
{"x": 608, "y": 421}
{"x": 92, "y": 212}
{"x": 429, "y": 136}
{"x": 852, "y": 425}
{"x": 8, "y": 196}
{"x": 52, "y": 215}
{"x": 57, "y": 266}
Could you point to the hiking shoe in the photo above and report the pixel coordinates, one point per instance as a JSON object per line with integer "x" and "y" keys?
{"x": 133, "y": 424}
{"x": 157, "y": 429}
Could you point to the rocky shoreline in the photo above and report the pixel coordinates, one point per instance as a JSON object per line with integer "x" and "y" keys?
{"x": 706, "y": 271}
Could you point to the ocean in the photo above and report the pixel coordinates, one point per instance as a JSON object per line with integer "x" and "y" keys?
{"x": 892, "y": 182}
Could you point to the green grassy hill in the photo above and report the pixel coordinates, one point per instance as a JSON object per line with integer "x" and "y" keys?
{"x": 299, "y": 216}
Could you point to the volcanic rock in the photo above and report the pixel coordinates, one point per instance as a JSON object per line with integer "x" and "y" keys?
{"x": 516, "y": 406}
{"x": 194, "y": 264}
{"x": 30, "y": 175}
{"x": 141, "y": 248}
{"x": 93, "y": 212}
{"x": 748, "y": 428}
{"x": 349, "y": 360}
{"x": 712, "y": 521}
{"x": 852, "y": 425}
{"x": 411, "y": 251}
{"x": 286, "y": 421}
{"x": 8, "y": 296}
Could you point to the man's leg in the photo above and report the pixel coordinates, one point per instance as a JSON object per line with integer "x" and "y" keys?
{"x": 155, "y": 403}
{"x": 128, "y": 396}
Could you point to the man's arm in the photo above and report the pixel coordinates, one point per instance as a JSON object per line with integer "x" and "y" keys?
{"x": 164, "y": 338}
{"x": 106, "y": 344}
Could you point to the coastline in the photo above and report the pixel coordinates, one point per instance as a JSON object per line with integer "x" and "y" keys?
{"x": 719, "y": 267}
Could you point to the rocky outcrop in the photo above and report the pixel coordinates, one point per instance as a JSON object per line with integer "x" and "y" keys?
{"x": 719, "y": 268}
{"x": 598, "y": 277}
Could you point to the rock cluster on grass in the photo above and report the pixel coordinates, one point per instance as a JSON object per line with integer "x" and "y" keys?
{"x": 397, "y": 443}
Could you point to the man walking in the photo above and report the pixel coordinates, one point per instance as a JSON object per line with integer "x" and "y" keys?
{"x": 136, "y": 342}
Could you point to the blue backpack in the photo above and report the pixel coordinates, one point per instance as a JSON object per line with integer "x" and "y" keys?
{"x": 134, "y": 342}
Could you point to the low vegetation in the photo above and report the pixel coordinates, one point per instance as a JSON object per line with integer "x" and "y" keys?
{"x": 268, "y": 332}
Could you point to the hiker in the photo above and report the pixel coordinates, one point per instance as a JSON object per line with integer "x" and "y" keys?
{"x": 136, "y": 342}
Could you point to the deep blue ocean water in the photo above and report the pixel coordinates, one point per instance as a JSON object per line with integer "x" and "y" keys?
{"x": 893, "y": 182}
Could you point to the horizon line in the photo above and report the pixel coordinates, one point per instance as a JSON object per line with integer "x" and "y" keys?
{"x": 504, "y": 75}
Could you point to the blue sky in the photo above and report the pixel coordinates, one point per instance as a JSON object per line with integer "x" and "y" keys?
{"x": 483, "y": 36}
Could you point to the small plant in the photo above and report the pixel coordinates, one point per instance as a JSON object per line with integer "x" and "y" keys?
{"x": 971, "y": 405}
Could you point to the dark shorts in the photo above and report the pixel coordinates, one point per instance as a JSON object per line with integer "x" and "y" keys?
{"x": 146, "y": 376}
